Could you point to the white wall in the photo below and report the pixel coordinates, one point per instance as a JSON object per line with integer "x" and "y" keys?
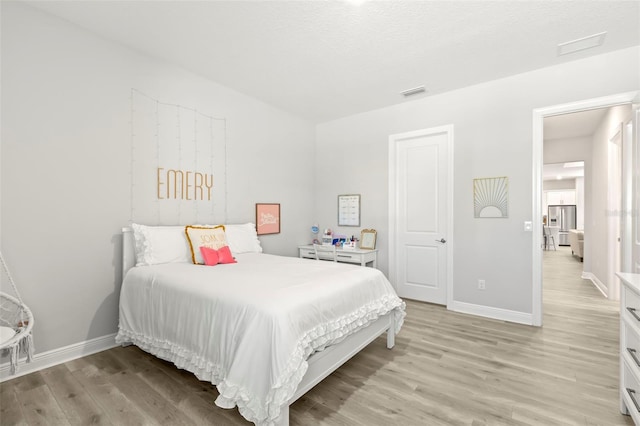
{"x": 558, "y": 185}
{"x": 66, "y": 159}
{"x": 596, "y": 231}
{"x": 493, "y": 137}
{"x": 580, "y": 213}
{"x": 567, "y": 150}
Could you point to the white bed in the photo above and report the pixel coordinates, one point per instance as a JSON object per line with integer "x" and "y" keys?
{"x": 264, "y": 330}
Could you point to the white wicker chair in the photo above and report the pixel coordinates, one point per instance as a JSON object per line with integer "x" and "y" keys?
{"x": 16, "y": 323}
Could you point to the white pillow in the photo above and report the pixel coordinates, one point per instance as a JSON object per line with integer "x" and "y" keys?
{"x": 243, "y": 238}
{"x": 160, "y": 244}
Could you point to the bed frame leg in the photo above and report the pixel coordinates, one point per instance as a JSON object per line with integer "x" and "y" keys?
{"x": 391, "y": 332}
{"x": 283, "y": 418}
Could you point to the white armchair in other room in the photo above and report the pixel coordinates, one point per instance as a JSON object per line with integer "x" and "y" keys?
{"x": 576, "y": 241}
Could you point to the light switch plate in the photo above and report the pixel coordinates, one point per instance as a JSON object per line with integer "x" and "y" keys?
{"x": 528, "y": 226}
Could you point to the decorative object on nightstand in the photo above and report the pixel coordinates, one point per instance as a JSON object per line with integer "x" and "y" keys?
{"x": 314, "y": 230}
{"x": 368, "y": 239}
{"x": 349, "y": 245}
{"x": 327, "y": 238}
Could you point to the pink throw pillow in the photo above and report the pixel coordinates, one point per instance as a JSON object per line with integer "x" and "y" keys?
{"x": 213, "y": 257}
{"x": 225, "y": 256}
{"x": 209, "y": 255}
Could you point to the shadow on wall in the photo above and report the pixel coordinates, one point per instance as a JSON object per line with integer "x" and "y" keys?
{"x": 107, "y": 312}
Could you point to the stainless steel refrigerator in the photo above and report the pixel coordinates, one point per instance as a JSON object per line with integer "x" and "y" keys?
{"x": 563, "y": 216}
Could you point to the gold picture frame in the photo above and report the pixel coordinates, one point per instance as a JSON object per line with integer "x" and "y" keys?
{"x": 368, "y": 239}
{"x": 491, "y": 197}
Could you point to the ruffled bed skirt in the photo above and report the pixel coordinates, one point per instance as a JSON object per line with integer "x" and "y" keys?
{"x": 260, "y": 410}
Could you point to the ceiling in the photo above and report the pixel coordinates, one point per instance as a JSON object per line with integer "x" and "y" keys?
{"x": 567, "y": 126}
{"x": 575, "y": 125}
{"x": 556, "y": 170}
{"x": 323, "y": 60}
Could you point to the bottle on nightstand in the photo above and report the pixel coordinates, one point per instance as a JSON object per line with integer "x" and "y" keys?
{"x": 327, "y": 237}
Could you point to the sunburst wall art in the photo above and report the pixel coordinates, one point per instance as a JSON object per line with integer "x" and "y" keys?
{"x": 491, "y": 197}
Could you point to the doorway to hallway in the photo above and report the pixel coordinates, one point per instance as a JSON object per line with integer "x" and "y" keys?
{"x": 538, "y": 137}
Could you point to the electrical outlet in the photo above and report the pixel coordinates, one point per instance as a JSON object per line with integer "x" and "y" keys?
{"x": 481, "y": 285}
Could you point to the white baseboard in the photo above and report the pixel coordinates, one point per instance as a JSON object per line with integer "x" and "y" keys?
{"x": 596, "y": 282}
{"x": 58, "y": 356}
{"x": 494, "y": 313}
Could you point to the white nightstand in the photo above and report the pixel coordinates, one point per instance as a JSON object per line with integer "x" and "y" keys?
{"x": 357, "y": 256}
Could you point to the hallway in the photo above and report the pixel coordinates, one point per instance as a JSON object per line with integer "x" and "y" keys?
{"x": 576, "y": 312}
{"x": 569, "y": 298}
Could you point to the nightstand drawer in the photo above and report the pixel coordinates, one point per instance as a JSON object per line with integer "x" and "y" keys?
{"x": 631, "y": 348}
{"x": 631, "y": 308}
{"x": 631, "y": 393}
{"x": 353, "y": 256}
{"x": 307, "y": 253}
{"x": 348, "y": 257}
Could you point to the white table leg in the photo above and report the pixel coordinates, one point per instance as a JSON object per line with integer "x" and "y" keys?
{"x": 391, "y": 332}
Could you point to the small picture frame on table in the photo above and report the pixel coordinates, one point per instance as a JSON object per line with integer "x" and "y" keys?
{"x": 368, "y": 239}
{"x": 267, "y": 218}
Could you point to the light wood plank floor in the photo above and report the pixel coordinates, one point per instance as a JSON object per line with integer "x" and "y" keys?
{"x": 446, "y": 369}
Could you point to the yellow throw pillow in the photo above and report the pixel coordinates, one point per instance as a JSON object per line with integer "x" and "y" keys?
{"x": 204, "y": 236}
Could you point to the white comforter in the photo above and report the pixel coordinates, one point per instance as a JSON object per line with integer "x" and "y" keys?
{"x": 249, "y": 327}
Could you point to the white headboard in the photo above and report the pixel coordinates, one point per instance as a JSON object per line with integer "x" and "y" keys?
{"x": 128, "y": 250}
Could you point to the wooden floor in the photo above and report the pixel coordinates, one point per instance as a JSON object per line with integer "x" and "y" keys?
{"x": 446, "y": 369}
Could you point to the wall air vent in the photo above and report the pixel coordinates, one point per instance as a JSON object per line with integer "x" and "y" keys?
{"x": 584, "y": 43}
{"x": 414, "y": 91}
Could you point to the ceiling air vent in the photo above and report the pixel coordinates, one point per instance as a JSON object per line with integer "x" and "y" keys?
{"x": 414, "y": 91}
{"x": 581, "y": 44}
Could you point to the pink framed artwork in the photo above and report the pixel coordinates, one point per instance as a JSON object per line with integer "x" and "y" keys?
{"x": 267, "y": 218}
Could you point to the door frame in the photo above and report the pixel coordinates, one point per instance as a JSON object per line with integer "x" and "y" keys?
{"x": 537, "y": 162}
{"x": 393, "y": 199}
{"x": 615, "y": 204}
{"x": 628, "y": 187}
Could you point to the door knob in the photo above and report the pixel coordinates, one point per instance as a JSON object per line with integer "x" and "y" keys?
{"x": 441, "y": 240}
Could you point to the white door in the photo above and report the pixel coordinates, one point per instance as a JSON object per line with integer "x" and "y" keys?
{"x": 420, "y": 196}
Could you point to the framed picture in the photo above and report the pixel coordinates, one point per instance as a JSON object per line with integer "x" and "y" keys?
{"x": 368, "y": 239}
{"x": 349, "y": 210}
{"x": 491, "y": 197}
{"x": 267, "y": 218}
